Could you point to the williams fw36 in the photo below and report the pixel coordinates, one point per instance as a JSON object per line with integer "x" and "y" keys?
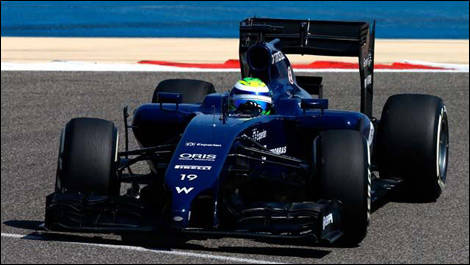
{"x": 297, "y": 171}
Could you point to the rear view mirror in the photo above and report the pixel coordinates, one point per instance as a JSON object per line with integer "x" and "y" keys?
{"x": 313, "y": 103}
{"x": 167, "y": 97}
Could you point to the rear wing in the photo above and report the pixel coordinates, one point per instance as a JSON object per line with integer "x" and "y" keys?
{"x": 329, "y": 38}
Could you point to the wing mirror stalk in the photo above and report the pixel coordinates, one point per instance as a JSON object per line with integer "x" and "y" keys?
{"x": 167, "y": 97}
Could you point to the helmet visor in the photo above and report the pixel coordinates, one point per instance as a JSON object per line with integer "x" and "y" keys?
{"x": 265, "y": 106}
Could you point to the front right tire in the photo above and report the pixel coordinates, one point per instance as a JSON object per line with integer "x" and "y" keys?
{"x": 88, "y": 157}
{"x": 194, "y": 91}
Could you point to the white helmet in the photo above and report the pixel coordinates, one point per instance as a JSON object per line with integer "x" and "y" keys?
{"x": 251, "y": 92}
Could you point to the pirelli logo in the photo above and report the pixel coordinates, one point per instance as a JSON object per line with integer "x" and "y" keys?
{"x": 193, "y": 167}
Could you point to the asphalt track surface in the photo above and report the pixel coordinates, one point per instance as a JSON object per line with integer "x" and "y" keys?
{"x": 36, "y": 105}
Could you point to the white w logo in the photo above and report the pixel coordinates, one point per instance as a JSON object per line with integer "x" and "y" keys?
{"x": 186, "y": 190}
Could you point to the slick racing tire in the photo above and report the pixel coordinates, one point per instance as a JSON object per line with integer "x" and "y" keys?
{"x": 342, "y": 164}
{"x": 194, "y": 91}
{"x": 88, "y": 157}
{"x": 413, "y": 143}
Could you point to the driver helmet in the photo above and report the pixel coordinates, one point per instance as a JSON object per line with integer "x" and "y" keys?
{"x": 251, "y": 93}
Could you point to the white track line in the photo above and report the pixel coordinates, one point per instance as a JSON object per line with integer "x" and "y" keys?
{"x": 98, "y": 67}
{"x": 463, "y": 67}
{"x": 13, "y": 235}
{"x": 141, "y": 249}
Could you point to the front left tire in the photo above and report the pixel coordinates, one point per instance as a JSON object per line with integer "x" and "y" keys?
{"x": 341, "y": 162}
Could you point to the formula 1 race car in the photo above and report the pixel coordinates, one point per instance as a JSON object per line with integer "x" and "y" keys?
{"x": 304, "y": 171}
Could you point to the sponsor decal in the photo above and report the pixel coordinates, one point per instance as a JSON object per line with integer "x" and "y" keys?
{"x": 289, "y": 74}
{"x": 177, "y": 218}
{"x": 368, "y": 81}
{"x": 277, "y": 57}
{"x": 367, "y": 61}
{"x": 371, "y": 136}
{"x": 189, "y": 177}
{"x": 197, "y": 157}
{"x": 191, "y": 144}
{"x": 258, "y": 135}
{"x": 193, "y": 167}
{"x": 279, "y": 150}
{"x": 328, "y": 219}
{"x": 184, "y": 189}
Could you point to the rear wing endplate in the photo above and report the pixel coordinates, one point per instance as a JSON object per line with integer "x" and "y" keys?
{"x": 328, "y": 38}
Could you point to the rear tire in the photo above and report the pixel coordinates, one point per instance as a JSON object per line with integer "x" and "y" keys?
{"x": 194, "y": 91}
{"x": 413, "y": 143}
{"x": 343, "y": 170}
{"x": 87, "y": 157}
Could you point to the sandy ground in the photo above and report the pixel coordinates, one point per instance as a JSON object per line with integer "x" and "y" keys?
{"x": 131, "y": 50}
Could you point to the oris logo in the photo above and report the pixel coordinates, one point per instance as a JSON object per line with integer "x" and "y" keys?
{"x": 197, "y": 157}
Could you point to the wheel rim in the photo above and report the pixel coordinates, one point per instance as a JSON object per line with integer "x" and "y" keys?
{"x": 443, "y": 148}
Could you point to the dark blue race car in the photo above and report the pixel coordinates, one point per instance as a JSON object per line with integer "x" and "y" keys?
{"x": 218, "y": 168}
